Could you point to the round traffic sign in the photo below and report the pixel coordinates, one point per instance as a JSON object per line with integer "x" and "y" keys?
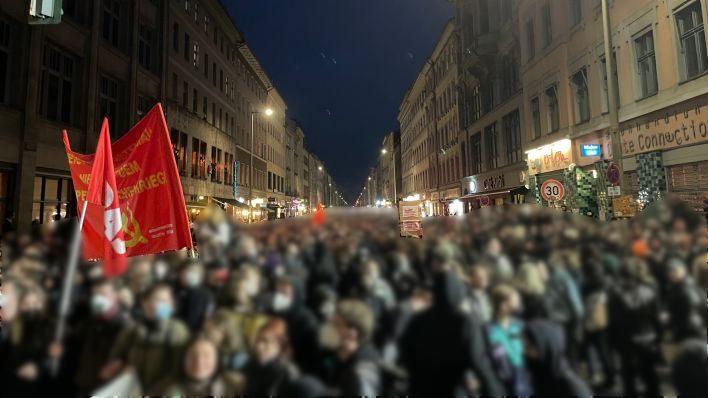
{"x": 613, "y": 174}
{"x": 484, "y": 200}
{"x": 552, "y": 190}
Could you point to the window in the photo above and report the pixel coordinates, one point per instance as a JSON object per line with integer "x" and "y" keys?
{"x": 195, "y": 100}
{"x": 206, "y": 24}
{"x": 576, "y": 12}
{"x": 185, "y": 94}
{"x": 53, "y": 199}
{"x": 187, "y": 47}
{"x": 689, "y": 22}
{"x": 512, "y": 136}
{"x": 199, "y": 159}
{"x": 476, "y": 103}
{"x": 179, "y": 144}
{"x": 553, "y": 111}
{"x": 646, "y": 64}
{"x": 490, "y": 138}
{"x": 205, "y": 107}
{"x": 535, "y": 117}
{"x": 195, "y": 55}
{"x": 582, "y": 100}
{"x": 213, "y": 114}
{"x": 175, "y": 36}
{"x": 206, "y": 65}
{"x": 108, "y": 95}
{"x": 57, "y": 85}
{"x": 187, "y": 6}
{"x": 213, "y": 73}
{"x": 530, "y": 39}
{"x": 144, "y": 105}
{"x": 145, "y": 47}
{"x": 196, "y": 12}
{"x": 175, "y": 84}
{"x": 111, "y": 21}
{"x": 4, "y": 61}
{"x": 475, "y": 145}
{"x": 547, "y": 25}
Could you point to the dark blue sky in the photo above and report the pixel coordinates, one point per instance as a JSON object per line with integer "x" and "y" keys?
{"x": 342, "y": 67}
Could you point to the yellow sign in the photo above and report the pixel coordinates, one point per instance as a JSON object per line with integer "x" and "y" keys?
{"x": 624, "y": 206}
{"x": 665, "y": 131}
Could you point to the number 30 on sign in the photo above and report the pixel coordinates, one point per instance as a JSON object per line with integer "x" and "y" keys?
{"x": 552, "y": 190}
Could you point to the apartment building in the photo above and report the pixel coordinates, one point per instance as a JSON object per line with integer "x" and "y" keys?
{"x": 491, "y": 105}
{"x": 117, "y": 58}
{"x": 659, "y": 49}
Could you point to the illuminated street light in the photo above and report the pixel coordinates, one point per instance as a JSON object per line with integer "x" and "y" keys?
{"x": 384, "y": 151}
{"x": 268, "y": 112}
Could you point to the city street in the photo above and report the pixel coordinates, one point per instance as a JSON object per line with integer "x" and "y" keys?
{"x": 353, "y": 198}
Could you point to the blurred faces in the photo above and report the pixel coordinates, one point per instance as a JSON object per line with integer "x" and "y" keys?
{"x": 32, "y": 302}
{"x": 283, "y": 297}
{"x": 159, "y": 306}
{"x": 192, "y": 275}
{"x": 103, "y": 299}
{"x": 479, "y": 278}
{"x": 9, "y": 302}
{"x": 201, "y": 360}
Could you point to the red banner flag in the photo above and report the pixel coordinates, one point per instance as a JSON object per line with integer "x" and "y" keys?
{"x": 319, "y": 217}
{"x": 102, "y": 192}
{"x": 153, "y": 212}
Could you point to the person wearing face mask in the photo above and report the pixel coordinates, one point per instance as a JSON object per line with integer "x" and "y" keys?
{"x": 89, "y": 345}
{"x": 301, "y": 322}
{"x": 152, "y": 347}
{"x": 199, "y": 374}
{"x": 194, "y": 302}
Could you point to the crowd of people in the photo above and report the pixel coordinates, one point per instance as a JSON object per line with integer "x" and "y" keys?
{"x": 516, "y": 301}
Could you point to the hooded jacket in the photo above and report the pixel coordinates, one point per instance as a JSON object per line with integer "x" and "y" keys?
{"x": 441, "y": 343}
{"x": 550, "y": 371}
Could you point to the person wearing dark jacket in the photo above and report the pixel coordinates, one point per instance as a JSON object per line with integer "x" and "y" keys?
{"x": 685, "y": 303}
{"x": 441, "y": 344}
{"x": 194, "y": 302}
{"x": 690, "y": 369}
{"x": 271, "y": 372}
{"x": 634, "y": 313}
{"x": 91, "y": 342}
{"x": 551, "y": 374}
{"x": 302, "y": 324}
{"x": 358, "y": 371}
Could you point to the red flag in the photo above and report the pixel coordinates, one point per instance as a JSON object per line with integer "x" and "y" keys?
{"x": 153, "y": 212}
{"x": 319, "y": 217}
{"x": 103, "y": 192}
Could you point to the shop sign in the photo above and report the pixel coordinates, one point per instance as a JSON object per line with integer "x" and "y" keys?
{"x": 493, "y": 181}
{"x": 624, "y": 206}
{"x": 484, "y": 200}
{"x": 552, "y": 190}
{"x": 410, "y": 219}
{"x": 590, "y": 150}
{"x": 234, "y": 189}
{"x": 614, "y": 191}
{"x": 551, "y": 157}
{"x": 665, "y": 131}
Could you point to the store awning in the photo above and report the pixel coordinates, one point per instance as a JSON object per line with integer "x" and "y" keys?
{"x": 232, "y": 202}
{"x": 493, "y": 194}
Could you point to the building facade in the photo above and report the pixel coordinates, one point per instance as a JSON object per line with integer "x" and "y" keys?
{"x": 658, "y": 139}
{"x": 117, "y": 58}
{"x": 490, "y": 106}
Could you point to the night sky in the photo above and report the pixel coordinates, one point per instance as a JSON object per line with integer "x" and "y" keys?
{"x": 342, "y": 67}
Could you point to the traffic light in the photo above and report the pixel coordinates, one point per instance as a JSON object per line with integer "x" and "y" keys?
{"x": 44, "y": 12}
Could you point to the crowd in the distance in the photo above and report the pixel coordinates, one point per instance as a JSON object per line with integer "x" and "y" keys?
{"x": 513, "y": 301}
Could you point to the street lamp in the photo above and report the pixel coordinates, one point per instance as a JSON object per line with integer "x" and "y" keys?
{"x": 268, "y": 112}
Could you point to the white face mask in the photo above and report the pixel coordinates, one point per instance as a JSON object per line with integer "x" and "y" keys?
{"x": 281, "y": 302}
{"x": 193, "y": 278}
{"x": 100, "y": 304}
{"x": 160, "y": 270}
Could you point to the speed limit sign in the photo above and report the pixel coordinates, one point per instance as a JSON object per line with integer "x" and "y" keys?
{"x": 552, "y": 190}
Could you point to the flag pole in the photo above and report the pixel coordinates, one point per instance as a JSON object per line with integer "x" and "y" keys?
{"x": 68, "y": 284}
